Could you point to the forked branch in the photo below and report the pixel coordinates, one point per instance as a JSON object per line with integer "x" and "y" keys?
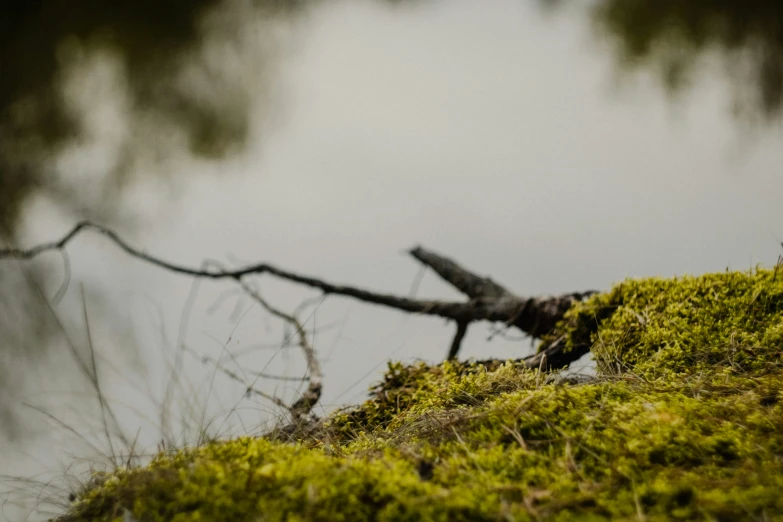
{"x": 488, "y": 301}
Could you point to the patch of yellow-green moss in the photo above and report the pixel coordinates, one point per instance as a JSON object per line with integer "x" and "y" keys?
{"x": 670, "y": 328}
{"x": 683, "y": 422}
{"x": 412, "y": 390}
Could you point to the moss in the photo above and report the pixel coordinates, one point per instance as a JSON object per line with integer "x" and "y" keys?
{"x": 411, "y": 390}
{"x": 725, "y": 323}
{"x": 682, "y": 423}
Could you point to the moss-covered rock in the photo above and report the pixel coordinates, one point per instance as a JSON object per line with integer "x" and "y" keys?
{"x": 683, "y": 422}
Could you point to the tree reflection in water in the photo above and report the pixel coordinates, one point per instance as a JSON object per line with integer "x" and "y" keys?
{"x": 671, "y": 36}
{"x": 186, "y": 73}
{"x": 136, "y": 77}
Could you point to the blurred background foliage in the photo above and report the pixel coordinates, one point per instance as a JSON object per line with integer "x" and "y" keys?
{"x": 670, "y": 36}
{"x": 152, "y": 46}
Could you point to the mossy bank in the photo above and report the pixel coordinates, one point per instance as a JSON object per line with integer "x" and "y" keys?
{"x": 684, "y": 421}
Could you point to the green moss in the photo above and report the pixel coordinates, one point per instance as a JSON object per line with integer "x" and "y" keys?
{"x": 668, "y": 328}
{"x": 682, "y": 423}
{"x": 411, "y": 390}
{"x": 252, "y": 479}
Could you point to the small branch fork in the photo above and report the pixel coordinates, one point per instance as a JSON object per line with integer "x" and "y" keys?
{"x": 300, "y": 409}
{"x": 487, "y": 301}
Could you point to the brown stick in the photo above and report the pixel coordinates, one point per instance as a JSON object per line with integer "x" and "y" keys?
{"x": 462, "y": 328}
{"x": 468, "y": 283}
{"x": 535, "y": 316}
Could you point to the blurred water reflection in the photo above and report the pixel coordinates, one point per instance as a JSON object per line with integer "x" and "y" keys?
{"x": 674, "y": 38}
{"x": 132, "y": 85}
{"x": 126, "y": 82}
{"x": 327, "y": 137}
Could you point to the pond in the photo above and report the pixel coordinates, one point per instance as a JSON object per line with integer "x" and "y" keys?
{"x": 554, "y": 147}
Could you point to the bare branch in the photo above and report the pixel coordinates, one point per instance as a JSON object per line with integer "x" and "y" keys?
{"x": 462, "y": 328}
{"x": 448, "y": 310}
{"x": 536, "y": 316}
{"x": 304, "y": 405}
{"x": 467, "y": 282}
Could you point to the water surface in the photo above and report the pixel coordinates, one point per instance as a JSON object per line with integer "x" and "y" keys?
{"x": 497, "y": 133}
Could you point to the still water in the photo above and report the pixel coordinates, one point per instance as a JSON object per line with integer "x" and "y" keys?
{"x": 532, "y": 142}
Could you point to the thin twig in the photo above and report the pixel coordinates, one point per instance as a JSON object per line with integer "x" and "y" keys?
{"x": 205, "y": 359}
{"x": 312, "y": 395}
